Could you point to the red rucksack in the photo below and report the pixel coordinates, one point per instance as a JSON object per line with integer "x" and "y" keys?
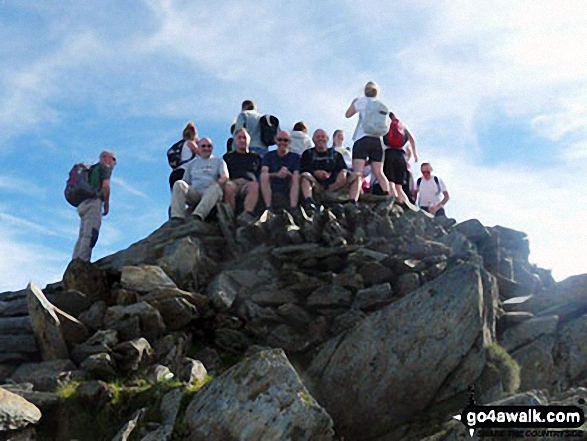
{"x": 396, "y": 137}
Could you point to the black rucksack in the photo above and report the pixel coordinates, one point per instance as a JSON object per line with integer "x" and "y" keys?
{"x": 174, "y": 155}
{"x": 435, "y": 180}
{"x": 269, "y": 126}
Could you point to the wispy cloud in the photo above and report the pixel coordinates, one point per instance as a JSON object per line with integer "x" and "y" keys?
{"x": 20, "y": 186}
{"x": 29, "y": 225}
{"x": 129, "y": 188}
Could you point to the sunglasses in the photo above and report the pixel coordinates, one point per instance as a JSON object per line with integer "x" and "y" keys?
{"x": 206, "y": 145}
{"x": 283, "y": 140}
{"x": 426, "y": 172}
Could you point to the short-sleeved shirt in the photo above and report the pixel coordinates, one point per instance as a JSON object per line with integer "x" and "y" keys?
{"x": 428, "y": 193}
{"x": 249, "y": 119}
{"x": 330, "y": 161}
{"x": 274, "y": 162}
{"x": 98, "y": 174}
{"x": 243, "y": 165}
{"x": 361, "y": 107}
{"x": 200, "y": 172}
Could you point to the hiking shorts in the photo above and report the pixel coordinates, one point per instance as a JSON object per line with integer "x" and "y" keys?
{"x": 395, "y": 167}
{"x": 368, "y": 147}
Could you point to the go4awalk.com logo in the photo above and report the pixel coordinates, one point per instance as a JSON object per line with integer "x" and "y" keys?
{"x": 525, "y": 419}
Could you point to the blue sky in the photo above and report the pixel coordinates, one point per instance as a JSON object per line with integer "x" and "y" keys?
{"x": 494, "y": 92}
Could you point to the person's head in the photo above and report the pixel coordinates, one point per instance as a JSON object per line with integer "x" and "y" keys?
{"x": 248, "y": 105}
{"x": 282, "y": 140}
{"x": 232, "y": 128}
{"x": 426, "y": 170}
{"x": 242, "y": 140}
{"x": 320, "y": 139}
{"x": 371, "y": 89}
{"x": 392, "y": 115}
{"x": 300, "y": 127}
{"x": 190, "y": 133}
{"x": 205, "y": 145}
{"x": 337, "y": 138}
{"x": 107, "y": 157}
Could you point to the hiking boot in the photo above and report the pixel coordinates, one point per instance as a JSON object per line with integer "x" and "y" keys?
{"x": 245, "y": 218}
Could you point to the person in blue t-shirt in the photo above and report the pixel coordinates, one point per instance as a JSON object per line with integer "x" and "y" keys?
{"x": 280, "y": 172}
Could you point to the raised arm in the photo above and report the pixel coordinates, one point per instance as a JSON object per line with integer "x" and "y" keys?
{"x": 351, "y": 110}
{"x": 412, "y": 142}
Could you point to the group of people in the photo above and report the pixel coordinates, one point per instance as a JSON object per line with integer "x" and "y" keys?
{"x": 200, "y": 180}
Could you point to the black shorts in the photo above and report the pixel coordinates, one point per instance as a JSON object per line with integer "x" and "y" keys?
{"x": 370, "y": 147}
{"x": 395, "y": 167}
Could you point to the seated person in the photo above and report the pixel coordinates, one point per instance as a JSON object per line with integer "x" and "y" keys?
{"x": 300, "y": 141}
{"x": 243, "y": 169}
{"x": 325, "y": 169}
{"x": 280, "y": 172}
{"x": 201, "y": 184}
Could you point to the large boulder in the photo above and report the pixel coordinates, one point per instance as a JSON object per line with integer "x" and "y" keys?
{"x": 16, "y": 412}
{"x": 392, "y": 363}
{"x": 181, "y": 261}
{"x": 145, "y": 278}
{"x": 261, "y": 398}
{"x": 571, "y": 351}
{"x": 44, "y": 376}
{"x": 87, "y": 278}
{"x": 46, "y": 325}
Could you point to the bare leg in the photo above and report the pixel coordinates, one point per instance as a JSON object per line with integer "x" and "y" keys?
{"x": 230, "y": 195}
{"x": 266, "y": 189}
{"x": 294, "y": 191}
{"x": 377, "y": 168}
{"x": 354, "y": 186}
{"x": 306, "y": 186}
{"x": 252, "y": 196}
{"x": 358, "y": 168}
{"x": 341, "y": 182}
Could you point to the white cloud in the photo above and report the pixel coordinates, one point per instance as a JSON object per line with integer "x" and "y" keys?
{"x": 129, "y": 188}
{"x": 20, "y": 186}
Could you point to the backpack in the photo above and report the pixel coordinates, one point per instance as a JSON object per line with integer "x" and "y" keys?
{"x": 376, "y": 119}
{"x": 419, "y": 181}
{"x": 269, "y": 126}
{"x": 174, "y": 155}
{"x": 397, "y": 136}
{"x": 78, "y": 187}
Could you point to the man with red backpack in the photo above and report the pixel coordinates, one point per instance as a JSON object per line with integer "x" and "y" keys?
{"x": 399, "y": 141}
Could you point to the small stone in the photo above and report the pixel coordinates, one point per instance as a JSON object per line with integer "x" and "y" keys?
{"x": 16, "y": 412}
{"x": 158, "y": 373}
{"x": 407, "y": 283}
{"x": 329, "y": 296}
{"x": 131, "y": 355}
{"x": 99, "y": 366}
{"x": 192, "y": 371}
{"x": 374, "y": 297}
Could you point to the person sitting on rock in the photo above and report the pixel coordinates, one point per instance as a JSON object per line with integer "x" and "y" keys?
{"x": 280, "y": 172}
{"x": 300, "y": 141}
{"x": 431, "y": 192}
{"x": 325, "y": 169}
{"x": 201, "y": 184}
{"x": 243, "y": 169}
{"x": 337, "y": 143}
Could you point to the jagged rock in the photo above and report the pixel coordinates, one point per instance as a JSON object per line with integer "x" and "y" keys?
{"x": 286, "y": 337}
{"x": 537, "y": 366}
{"x": 473, "y": 229}
{"x": 374, "y": 297}
{"x": 329, "y": 296}
{"x": 170, "y": 348}
{"x": 15, "y": 325}
{"x": 403, "y": 348}
{"x": 99, "y": 366}
{"x": 47, "y": 402}
{"x": 231, "y": 340}
{"x": 274, "y": 297}
{"x": 158, "y": 373}
{"x": 94, "y": 394}
{"x": 192, "y": 370}
{"x": 509, "y": 319}
{"x": 571, "y": 351}
{"x": 294, "y": 316}
{"x": 516, "y": 242}
{"x": 517, "y": 304}
{"x": 87, "y": 278}
{"x": 460, "y": 247}
{"x": 45, "y": 376}
{"x": 152, "y": 325}
{"x": 527, "y": 331}
{"x": 46, "y": 325}
{"x": 13, "y": 346}
{"x": 125, "y": 297}
{"x": 13, "y": 308}
{"x": 353, "y": 281}
{"x": 5, "y": 372}
{"x": 373, "y": 273}
{"x": 93, "y": 318}
{"x": 145, "y": 278}
{"x": 509, "y": 289}
{"x": 130, "y": 355}
{"x": 347, "y": 320}
{"x": 181, "y": 261}
{"x": 170, "y": 405}
{"x": 73, "y": 302}
{"x": 16, "y": 412}
{"x": 127, "y": 429}
{"x": 209, "y": 358}
{"x": 173, "y": 305}
{"x": 568, "y": 299}
{"x": 222, "y": 291}
{"x": 101, "y": 341}
{"x": 74, "y": 331}
{"x": 264, "y": 385}
{"x": 407, "y": 283}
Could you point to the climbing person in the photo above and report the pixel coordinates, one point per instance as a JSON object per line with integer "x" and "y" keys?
{"x": 431, "y": 192}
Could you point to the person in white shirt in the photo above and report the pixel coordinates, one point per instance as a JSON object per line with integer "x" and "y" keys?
{"x": 431, "y": 193}
{"x": 337, "y": 143}
{"x": 300, "y": 140}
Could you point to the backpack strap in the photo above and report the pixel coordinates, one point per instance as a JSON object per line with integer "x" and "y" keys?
{"x": 437, "y": 183}
{"x": 418, "y": 182}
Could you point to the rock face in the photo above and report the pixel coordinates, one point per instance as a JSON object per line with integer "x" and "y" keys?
{"x": 261, "y": 398}
{"x": 382, "y": 365}
{"x": 16, "y": 412}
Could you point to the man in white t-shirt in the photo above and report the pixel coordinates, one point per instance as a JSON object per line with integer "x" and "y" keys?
{"x": 249, "y": 119}
{"x": 431, "y": 192}
{"x": 201, "y": 184}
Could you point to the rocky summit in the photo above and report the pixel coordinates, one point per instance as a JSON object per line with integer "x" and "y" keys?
{"x": 360, "y": 322}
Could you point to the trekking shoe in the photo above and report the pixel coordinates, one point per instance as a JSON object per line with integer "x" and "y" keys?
{"x": 245, "y": 218}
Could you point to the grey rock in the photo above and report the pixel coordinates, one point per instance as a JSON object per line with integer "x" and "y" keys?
{"x": 45, "y": 376}
{"x": 374, "y": 297}
{"x": 264, "y": 385}
{"x": 287, "y": 338}
{"x": 537, "y": 365}
{"x": 94, "y": 394}
{"x": 527, "y": 331}
{"x": 516, "y": 242}
{"x": 568, "y": 299}
{"x": 170, "y": 348}
{"x": 329, "y": 296}
{"x": 517, "y": 304}
{"x": 130, "y": 355}
{"x": 294, "y": 315}
{"x": 347, "y": 320}
{"x": 209, "y": 358}
{"x": 18, "y": 345}
{"x": 407, "y": 283}
{"x": 152, "y": 325}
{"x": 509, "y": 289}
{"x": 231, "y": 340}
{"x": 145, "y": 278}
{"x": 274, "y": 297}
{"x": 101, "y": 341}
{"x": 473, "y": 229}
{"x": 74, "y": 331}
{"x": 5, "y": 372}
{"x": 127, "y": 429}
{"x": 72, "y": 301}
{"x": 13, "y": 308}
{"x": 93, "y": 317}
{"x": 46, "y": 325}
{"x": 191, "y": 371}
{"x": 532, "y": 398}
{"x": 87, "y": 278}
{"x": 99, "y": 366}
{"x": 403, "y": 348}
{"x": 16, "y": 412}
{"x": 181, "y": 261}
{"x": 510, "y": 319}
{"x": 222, "y": 291}
{"x": 571, "y": 351}
{"x": 170, "y": 405}
{"x": 460, "y": 246}
{"x": 374, "y": 273}
{"x": 12, "y": 295}
{"x": 47, "y": 402}
{"x": 15, "y": 325}
{"x": 176, "y": 311}
{"x": 158, "y": 373}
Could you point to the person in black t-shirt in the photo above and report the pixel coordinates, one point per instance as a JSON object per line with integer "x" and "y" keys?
{"x": 325, "y": 169}
{"x": 243, "y": 169}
